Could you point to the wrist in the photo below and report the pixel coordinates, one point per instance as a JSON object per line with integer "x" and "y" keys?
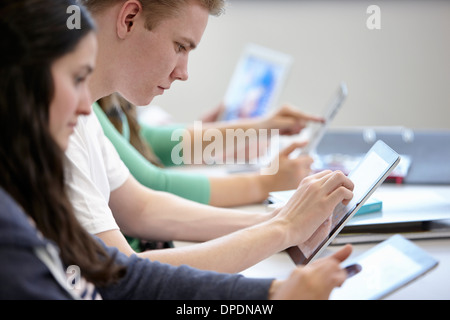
{"x": 265, "y": 185}
{"x": 279, "y": 225}
{"x": 272, "y": 294}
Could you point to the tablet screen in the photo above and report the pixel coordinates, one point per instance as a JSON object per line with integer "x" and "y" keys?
{"x": 317, "y": 129}
{"x": 385, "y": 268}
{"x": 256, "y": 83}
{"x": 371, "y": 171}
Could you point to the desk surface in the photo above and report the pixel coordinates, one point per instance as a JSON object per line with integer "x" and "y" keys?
{"x": 434, "y": 285}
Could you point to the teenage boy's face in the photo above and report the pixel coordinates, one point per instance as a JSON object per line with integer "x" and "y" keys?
{"x": 157, "y": 58}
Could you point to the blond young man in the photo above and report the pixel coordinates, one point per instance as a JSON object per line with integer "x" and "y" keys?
{"x": 143, "y": 48}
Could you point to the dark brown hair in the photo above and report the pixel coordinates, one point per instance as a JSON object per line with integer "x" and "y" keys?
{"x": 35, "y": 33}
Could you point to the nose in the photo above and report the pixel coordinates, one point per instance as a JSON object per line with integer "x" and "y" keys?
{"x": 181, "y": 70}
{"x": 84, "y": 106}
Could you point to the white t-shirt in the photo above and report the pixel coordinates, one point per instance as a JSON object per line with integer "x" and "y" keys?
{"x": 93, "y": 169}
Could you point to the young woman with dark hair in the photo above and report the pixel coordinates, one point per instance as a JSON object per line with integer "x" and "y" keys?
{"x": 31, "y": 157}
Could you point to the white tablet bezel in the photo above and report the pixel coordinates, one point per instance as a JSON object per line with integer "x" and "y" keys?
{"x": 282, "y": 61}
{"x": 360, "y": 197}
{"x": 316, "y": 129}
{"x": 371, "y": 276}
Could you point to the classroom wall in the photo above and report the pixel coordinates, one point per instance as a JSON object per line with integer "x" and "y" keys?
{"x": 398, "y": 75}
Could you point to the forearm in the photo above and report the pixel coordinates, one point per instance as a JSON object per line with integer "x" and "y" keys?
{"x": 229, "y": 254}
{"x": 222, "y": 126}
{"x": 238, "y": 190}
{"x": 152, "y": 280}
{"x": 198, "y": 137}
{"x": 172, "y": 218}
{"x": 147, "y": 214}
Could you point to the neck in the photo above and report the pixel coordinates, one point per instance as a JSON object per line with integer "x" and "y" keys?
{"x": 102, "y": 82}
{"x": 99, "y": 86}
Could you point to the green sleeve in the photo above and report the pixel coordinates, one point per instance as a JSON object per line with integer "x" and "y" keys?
{"x": 192, "y": 186}
{"x": 160, "y": 139}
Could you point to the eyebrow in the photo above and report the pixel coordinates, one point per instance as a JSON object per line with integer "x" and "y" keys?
{"x": 87, "y": 68}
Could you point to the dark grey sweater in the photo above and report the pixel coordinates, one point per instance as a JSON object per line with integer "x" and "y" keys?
{"x": 25, "y": 274}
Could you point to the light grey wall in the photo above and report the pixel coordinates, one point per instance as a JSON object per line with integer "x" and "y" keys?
{"x": 397, "y": 76}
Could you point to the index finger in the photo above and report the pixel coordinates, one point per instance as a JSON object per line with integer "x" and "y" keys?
{"x": 294, "y": 146}
{"x": 299, "y": 115}
{"x": 337, "y": 179}
{"x": 310, "y": 117}
{"x": 343, "y": 253}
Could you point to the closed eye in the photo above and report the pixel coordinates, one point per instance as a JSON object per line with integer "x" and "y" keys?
{"x": 185, "y": 45}
{"x": 181, "y": 48}
{"x": 82, "y": 75}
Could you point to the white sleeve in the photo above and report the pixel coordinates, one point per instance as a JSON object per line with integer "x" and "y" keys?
{"x": 92, "y": 170}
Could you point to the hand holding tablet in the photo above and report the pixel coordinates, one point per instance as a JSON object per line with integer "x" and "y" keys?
{"x": 385, "y": 268}
{"x": 317, "y": 129}
{"x": 367, "y": 176}
{"x": 256, "y": 83}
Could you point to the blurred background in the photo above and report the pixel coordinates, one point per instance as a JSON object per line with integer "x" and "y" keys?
{"x": 396, "y": 76}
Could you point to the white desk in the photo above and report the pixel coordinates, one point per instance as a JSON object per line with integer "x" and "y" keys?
{"x": 434, "y": 285}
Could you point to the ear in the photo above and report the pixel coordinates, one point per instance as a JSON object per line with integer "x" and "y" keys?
{"x": 126, "y": 20}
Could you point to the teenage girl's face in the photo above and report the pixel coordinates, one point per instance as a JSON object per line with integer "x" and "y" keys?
{"x": 157, "y": 58}
{"x": 71, "y": 97}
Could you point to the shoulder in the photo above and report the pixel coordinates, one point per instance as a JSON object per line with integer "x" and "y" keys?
{"x": 16, "y": 228}
{"x": 24, "y": 276}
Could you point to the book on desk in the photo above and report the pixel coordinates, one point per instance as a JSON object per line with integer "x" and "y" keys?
{"x": 417, "y": 212}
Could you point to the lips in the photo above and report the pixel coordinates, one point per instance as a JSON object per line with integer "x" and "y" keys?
{"x": 73, "y": 124}
{"x": 164, "y": 88}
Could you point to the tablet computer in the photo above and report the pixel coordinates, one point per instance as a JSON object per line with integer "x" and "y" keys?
{"x": 368, "y": 174}
{"x": 317, "y": 129}
{"x": 256, "y": 83}
{"x": 385, "y": 268}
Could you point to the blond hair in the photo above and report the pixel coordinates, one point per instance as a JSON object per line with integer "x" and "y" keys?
{"x": 157, "y": 10}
